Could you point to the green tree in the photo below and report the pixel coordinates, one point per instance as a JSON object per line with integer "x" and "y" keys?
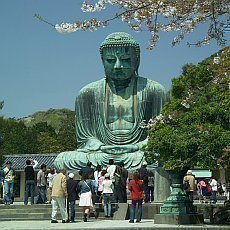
{"x": 46, "y": 143}
{"x": 66, "y": 136}
{"x": 193, "y": 129}
{"x": 18, "y": 139}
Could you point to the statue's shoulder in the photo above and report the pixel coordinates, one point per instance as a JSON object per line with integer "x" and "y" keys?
{"x": 92, "y": 87}
{"x": 150, "y": 84}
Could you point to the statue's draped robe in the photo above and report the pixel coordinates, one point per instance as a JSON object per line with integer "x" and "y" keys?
{"x": 92, "y": 129}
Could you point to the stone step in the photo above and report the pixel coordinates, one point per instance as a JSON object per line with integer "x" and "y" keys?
{"x": 25, "y": 211}
{"x": 22, "y": 206}
{"x": 39, "y": 212}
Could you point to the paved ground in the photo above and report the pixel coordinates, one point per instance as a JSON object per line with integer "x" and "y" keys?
{"x": 102, "y": 225}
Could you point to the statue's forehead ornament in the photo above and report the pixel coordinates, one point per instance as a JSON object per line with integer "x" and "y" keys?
{"x": 120, "y": 39}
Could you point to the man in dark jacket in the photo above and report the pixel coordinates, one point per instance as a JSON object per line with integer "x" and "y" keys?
{"x": 30, "y": 180}
{"x": 87, "y": 170}
{"x": 124, "y": 177}
{"x": 72, "y": 196}
{"x": 144, "y": 176}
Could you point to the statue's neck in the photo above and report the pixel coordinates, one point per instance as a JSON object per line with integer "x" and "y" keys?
{"x": 119, "y": 86}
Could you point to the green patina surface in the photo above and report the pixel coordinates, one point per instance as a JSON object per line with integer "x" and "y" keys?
{"x": 109, "y": 111}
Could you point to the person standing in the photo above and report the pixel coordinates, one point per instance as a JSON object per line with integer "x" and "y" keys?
{"x": 151, "y": 186}
{"x": 72, "y": 196}
{"x": 85, "y": 188}
{"x": 144, "y": 176}
{"x": 117, "y": 191}
{"x": 213, "y": 183}
{"x": 100, "y": 182}
{"x": 87, "y": 170}
{"x": 41, "y": 184}
{"x": 59, "y": 193}
{"x": 30, "y": 180}
{"x": 9, "y": 175}
{"x": 191, "y": 184}
{"x": 97, "y": 173}
{"x": 107, "y": 192}
{"x": 50, "y": 178}
{"x": 136, "y": 188}
{"x": 111, "y": 169}
{"x": 200, "y": 187}
{"x": 124, "y": 178}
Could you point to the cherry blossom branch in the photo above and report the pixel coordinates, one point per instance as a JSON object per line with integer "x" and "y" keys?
{"x": 145, "y": 15}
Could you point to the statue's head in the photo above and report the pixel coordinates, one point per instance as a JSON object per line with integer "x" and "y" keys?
{"x": 120, "y": 54}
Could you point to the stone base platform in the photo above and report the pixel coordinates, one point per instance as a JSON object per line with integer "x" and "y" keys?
{"x": 179, "y": 219}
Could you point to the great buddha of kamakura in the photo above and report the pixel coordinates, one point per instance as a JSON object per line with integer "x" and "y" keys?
{"x": 109, "y": 111}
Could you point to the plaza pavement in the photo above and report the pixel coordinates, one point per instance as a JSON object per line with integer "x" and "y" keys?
{"x": 102, "y": 225}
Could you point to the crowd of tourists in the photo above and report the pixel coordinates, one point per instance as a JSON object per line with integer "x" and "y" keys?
{"x": 206, "y": 189}
{"x": 103, "y": 186}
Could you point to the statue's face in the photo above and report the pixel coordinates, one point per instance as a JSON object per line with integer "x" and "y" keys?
{"x": 119, "y": 63}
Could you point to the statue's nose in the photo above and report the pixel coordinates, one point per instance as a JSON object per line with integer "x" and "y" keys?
{"x": 118, "y": 64}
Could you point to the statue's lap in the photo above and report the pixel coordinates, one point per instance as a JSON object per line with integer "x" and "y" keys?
{"x": 75, "y": 160}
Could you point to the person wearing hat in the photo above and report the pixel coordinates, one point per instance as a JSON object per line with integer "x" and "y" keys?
{"x": 9, "y": 175}
{"x": 72, "y": 196}
{"x": 191, "y": 184}
{"x": 107, "y": 192}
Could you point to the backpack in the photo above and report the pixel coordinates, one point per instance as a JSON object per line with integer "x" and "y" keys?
{"x": 186, "y": 185}
{"x": 117, "y": 179}
{"x": 209, "y": 188}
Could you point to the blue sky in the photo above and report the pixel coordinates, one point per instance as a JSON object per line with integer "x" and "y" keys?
{"x": 42, "y": 69}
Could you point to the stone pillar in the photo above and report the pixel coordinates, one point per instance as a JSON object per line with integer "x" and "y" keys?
{"x": 161, "y": 185}
{"x": 22, "y": 186}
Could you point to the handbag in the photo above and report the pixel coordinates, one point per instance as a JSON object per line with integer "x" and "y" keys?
{"x": 186, "y": 185}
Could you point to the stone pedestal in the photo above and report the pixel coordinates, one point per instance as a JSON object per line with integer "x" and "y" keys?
{"x": 178, "y": 219}
{"x": 122, "y": 212}
{"x": 161, "y": 185}
{"x": 177, "y": 208}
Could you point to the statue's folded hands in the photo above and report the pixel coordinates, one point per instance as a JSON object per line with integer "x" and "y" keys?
{"x": 119, "y": 149}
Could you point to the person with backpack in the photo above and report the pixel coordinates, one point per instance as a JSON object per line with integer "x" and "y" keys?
{"x": 206, "y": 190}
{"x": 190, "y": 184}
{"x": 9, "y": 175}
